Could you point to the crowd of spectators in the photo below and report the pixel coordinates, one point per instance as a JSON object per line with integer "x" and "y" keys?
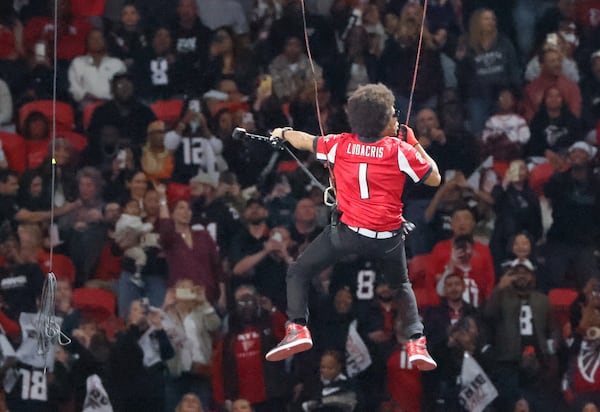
{"x": 171, "y": 240}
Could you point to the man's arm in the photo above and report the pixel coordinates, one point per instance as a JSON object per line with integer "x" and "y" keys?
{"x": 300, "y": 140}
{"x": 434, "y": 178}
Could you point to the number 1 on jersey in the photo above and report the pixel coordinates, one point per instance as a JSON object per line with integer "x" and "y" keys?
{"x": 362, "y": 181}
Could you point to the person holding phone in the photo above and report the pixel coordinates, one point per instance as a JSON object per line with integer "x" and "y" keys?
{"x": 517, "y": 209}
{"x": 370, "y": 166}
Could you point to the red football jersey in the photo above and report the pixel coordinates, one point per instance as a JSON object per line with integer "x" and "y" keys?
{"x": 404, "y": 382}
{"x": 370, "y": 177}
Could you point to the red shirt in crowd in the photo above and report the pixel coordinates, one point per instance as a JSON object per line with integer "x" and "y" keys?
{"x": 71, "y": 37}
{"x": 588, "y": 13}
{"x": 479, "y": 281}
{"x": 7, "y": 42}
{"x": 404, "y": 382}
{"x": 370, "y": 177}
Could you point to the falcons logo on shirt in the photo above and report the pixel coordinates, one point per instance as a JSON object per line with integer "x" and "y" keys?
{"x": 588, "y": 360}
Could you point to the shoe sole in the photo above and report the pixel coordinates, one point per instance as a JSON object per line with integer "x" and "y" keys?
{"x": 286, "y": 350}
{"x": 423, "y": 363}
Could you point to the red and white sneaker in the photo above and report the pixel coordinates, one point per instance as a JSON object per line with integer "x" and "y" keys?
{"x": 418, "y": 355}
{"x": 297, "y": 339}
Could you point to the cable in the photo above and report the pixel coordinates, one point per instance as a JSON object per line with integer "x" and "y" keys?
{"x": 48, "y": 328}
{"x": 416, "y": 70}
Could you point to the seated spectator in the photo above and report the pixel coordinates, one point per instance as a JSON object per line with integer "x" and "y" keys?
{"x": 127, "y": 38}
{"x": 21, "y": 283}
{"x": 191, "y": 39}
{"x": 399, "y": 77}
{"x": 590, "y": 88}
{"x": 575, "y": 202}
{"x": 304, "y": 228}
{"x": 524, "y": 340}
{"x": 189, "y": 254}
{"x": 242, "y": 405}
{"x": 336, "y": 390}
{"x": 506, "y": 131}
{"x": 517, "y": 210}
{"x": 125, "y": 112}
{"x": 90, "y": 74}
{"x": 452, "y": 308}
{"x": 290, "y": 70}
{"x": 156, "y": 72}
{"x": 157, "y": 160}
{"x": 230, "y": 59}
{"x": 83, "y": 228}
{"x": 137, "y": 360}
{"x": 240, "y": 368}
{"x": 487, "y": 61}
{"x": 472, "y": 258}
{"x": 550, "y": 76}
{"x": 192, "y": 322}
{"x": 36, "y": 132}
{"x": 554, "y": 126}
{"x": 71, "y": 316}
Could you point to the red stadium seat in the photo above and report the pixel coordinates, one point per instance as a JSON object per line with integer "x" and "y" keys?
{"x": 15, "y": 151}
{"x": 419, "y": 270}
{"x": 95, "y": 303}
{"x": 561, "y": 300}
{"x": 79, "y": 142}
{"x": 87, "y": 8}
{"x": 62, "y": 266}
{"x": 168, "y": 111}
{"x": 65, "y": 117}
{"x": 88, "y": 111}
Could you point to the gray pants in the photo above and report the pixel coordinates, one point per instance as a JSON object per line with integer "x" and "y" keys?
{"x": 323, "y": 252}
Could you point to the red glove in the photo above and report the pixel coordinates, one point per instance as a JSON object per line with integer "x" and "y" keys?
{"x": 408, "y": 135}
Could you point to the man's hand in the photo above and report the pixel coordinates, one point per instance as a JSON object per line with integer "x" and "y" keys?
{"x": 408, "y": 135}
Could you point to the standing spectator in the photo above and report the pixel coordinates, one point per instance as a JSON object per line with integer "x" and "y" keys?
{"x": 480, "y": 263}
{"x": 398, "y": 76}
{"x": 156, "y": 71}
{"x": 550, "y": 75}
{"x": 191, "y": 39}
{"x": 136, "y": 362}
{"x": 193, "y": 145}
{"x": 554, "y": 126}
{"x": 291, "y": 70}
{"x": 304, "y": 228}
{"x": 190, "y": 254}
{"x": 260, "y": 256}
{"x": 127, "y": 39}
{"x": 452, "y": 307}
{"x": 241, "y": 370}
{"x": 90, "y": 74}
{"x": 524, "y": 340}
{"x": 65, "y": 160}
{"x": 192, "y": 322}
{"x": 124, "y": 111}
{"x": 229, "y": 58}
{"x": 21, "y": 282}
{"x": 517, "y": 210}
{"x": 575, "y": 199}
{"x": 487, "y": 61}
{"x": 6, "y": 111}
{"x": 83, "y": 228}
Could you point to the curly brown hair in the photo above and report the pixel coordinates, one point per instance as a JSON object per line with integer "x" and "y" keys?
{"x": 369, "y": 110}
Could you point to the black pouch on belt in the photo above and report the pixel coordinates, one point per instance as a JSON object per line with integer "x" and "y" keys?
{"x": 335, "y": 227}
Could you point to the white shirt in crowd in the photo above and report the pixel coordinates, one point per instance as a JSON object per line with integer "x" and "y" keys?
{"x": 512, "y": 125}
{"x": 85, "y": 77}
{"x": 220, "y": 13}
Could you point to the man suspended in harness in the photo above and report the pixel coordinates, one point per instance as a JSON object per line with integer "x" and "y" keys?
{"x": 369, "y": 167}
